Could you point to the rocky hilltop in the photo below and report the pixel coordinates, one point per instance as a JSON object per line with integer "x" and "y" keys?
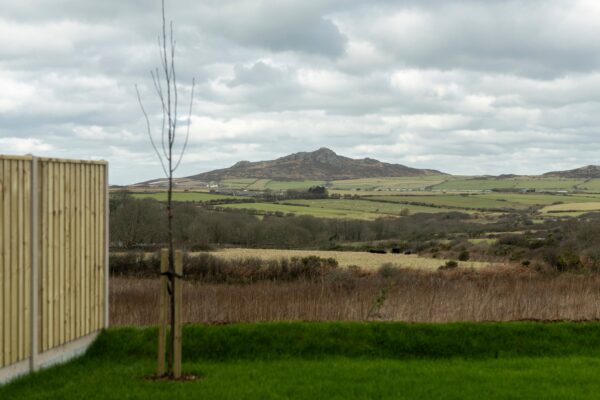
{"x": 322, "y": 164}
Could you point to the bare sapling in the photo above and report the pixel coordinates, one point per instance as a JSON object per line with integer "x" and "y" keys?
{"x": 170, "y": 151}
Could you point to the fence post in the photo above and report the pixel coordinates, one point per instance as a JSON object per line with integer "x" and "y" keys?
{"x": 178, "y": 297}
{"x": 162, "y": 313}
{"x": 106, "y": 246}
{"x": 33, "y": 363}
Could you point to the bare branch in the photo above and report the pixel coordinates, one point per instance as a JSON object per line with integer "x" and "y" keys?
{"x": 159, "y": 92}
{"x": 174, "y": 84}
{"x": 187, "y": 134}
{"x": 168, "y": 85}
{"x": 149, "y": 130}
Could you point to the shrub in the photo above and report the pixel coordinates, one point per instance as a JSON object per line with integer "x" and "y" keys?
{"x": 388, "y": 270}
{"x": 450, "y": 264}
{"x": 463, "y": 255}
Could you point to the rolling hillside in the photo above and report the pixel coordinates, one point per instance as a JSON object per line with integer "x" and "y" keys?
{"x": 322, "y": 164}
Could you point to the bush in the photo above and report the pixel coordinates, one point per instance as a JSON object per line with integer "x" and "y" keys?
{"x": 134, "y": 264}
{"x": 388, "y": 270}
{"x": 450, "y": 264}
{"x": 463, "y": 255}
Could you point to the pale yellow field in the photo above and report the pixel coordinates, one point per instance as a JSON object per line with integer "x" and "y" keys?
{"x": 347, "y": 258}
{"x": 571, "y": 208}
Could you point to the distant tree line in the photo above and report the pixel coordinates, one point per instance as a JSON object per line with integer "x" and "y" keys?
{"x": 138, "y": 223}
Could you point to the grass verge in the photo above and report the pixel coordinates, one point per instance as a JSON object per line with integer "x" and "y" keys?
{"x": 338, "y": 360}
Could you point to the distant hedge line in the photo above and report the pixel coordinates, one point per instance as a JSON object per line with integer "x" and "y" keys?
{"x": 208, "y": 268}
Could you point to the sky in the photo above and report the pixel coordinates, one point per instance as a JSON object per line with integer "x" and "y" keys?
{"x": 466, "y": 87}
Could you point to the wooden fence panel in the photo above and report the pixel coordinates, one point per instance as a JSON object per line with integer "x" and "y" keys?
{"x": 15, "y": 263}
{"x": 70, "y": 225}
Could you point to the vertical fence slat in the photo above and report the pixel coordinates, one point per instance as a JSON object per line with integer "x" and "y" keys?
{"x": 86, "y": 264}
{"x": 72, "y": 253}
{"x": 26, "y": 257}
{"x": 20, "y": 265}
{"x": 6, "y": 282}
{"x": 34, "y": 260}
{"x": 3, "y": 183}
{"x": 55, "y": 269}
{"x": 14, "y": 262}
{"x": 93, "y": 258}
{"x": 45, "y": 255}
{"x": 79, "y": 253}
{"x": 106, "y": 249}
{"x": 68, "y": 234}
{"x": 61, "y": 253}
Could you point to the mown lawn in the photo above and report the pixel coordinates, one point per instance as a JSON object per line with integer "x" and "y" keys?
{"x": 338, "y": 361}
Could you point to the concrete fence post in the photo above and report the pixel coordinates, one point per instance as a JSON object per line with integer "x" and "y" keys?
{"x": 33, "y": 364}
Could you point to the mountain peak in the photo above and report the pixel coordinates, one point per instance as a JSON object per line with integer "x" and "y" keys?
{"x": 321, "y": 164}
{"x": 324, "y": 150}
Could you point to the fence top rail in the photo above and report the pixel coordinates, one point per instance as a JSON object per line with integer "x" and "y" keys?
{"x": 51, "y": 159}
{"x": 67, "y": 160}
{"x": 15, "y": 157}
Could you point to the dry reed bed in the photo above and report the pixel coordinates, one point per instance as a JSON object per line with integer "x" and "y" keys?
{"x": 410, "y": 296}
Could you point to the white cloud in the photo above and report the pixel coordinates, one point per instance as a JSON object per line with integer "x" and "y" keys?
{"x": 464, "y": 86}
{"x": 15, "y": 145}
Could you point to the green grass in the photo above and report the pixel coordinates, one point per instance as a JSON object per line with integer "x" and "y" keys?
{"x": 337, "y": 360}
{"x": 368, "y": 206}
{"x": 185, "y": 196}
{"x": 454, "y": 200}
{"x": 297, "y": 185}
{"x": 301, "y": 210}
{"x": 538, "y": 199}
{"x": 334, "y": 378}
{"x": 388, "y": 183}
{"x": 238, "y": 184}
{"x": 263, "y": 184}
{"x": 591, "y": 185}
{"x": 524, "y": 182}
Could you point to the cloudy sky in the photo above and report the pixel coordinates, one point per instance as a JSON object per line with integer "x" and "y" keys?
{"x": 467, "y": 87}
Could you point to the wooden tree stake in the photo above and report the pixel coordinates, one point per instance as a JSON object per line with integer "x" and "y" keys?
{"x": 178, "y": 300}
{"x": 162, "y": 318}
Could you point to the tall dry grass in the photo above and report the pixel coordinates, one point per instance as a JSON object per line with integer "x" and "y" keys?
{"x": 412, "y": 296}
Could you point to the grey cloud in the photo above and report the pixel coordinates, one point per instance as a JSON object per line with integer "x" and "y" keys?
{"x": 462, "y": 86}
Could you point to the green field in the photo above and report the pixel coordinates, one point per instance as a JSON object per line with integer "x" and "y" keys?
{"x": 337, "y": 208}
{"x": 293, "y": 185}
{"x": 241, "y": 183}
{"x": 591, "y": 185}
{"x": 373, "y": 198}
{"x": 368, "y": 206}
{"x": 393, "y": 185}
{"x": 413, "y": 183}
{"x": 264, "y": 184}
{"x": 337, "y": 361}
{"x": 489, "y": 183}
{"x": 465, "y": 201}
{"x": 262, "y": 208}
{"x": 185, "y": 196}
{"x": 571, "y": 209}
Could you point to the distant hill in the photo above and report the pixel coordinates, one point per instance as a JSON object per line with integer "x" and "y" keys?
{"x": 322, "y": 164}
{"x": 587, "y": 172}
